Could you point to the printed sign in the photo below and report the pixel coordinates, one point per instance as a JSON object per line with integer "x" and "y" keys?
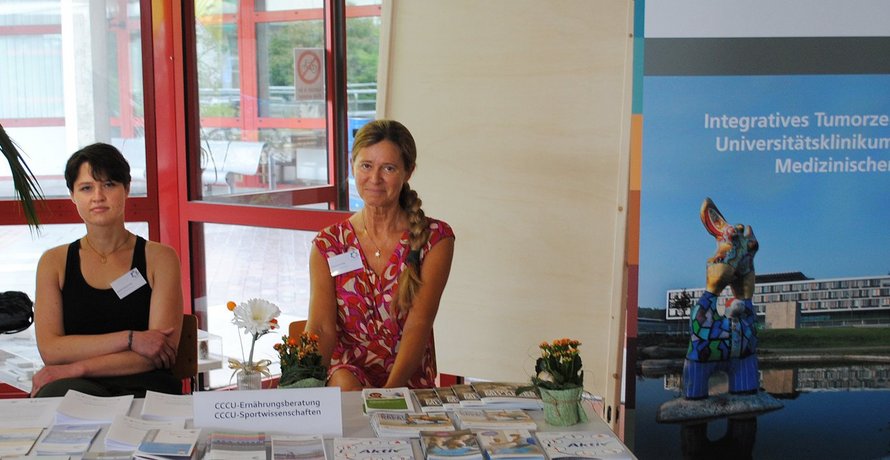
{"x": 291, "y": 411}
{"x": 309, "y": 74}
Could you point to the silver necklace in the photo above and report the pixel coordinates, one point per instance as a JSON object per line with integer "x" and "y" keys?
{"x": 365, "y": 223}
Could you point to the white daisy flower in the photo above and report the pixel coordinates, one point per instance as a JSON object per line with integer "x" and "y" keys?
{"x": 255, "y": 316}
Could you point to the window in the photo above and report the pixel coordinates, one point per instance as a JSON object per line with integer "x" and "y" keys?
{"x": 271, "y": 166}
{"x": 69, "y": 76}
{"x": 264, "y": 154}
{"x": 264, "y": 112}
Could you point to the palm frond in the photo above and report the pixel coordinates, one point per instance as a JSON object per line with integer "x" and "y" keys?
{"x": 25, "y": 185}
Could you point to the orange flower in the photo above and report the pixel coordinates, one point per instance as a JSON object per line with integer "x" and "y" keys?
{"x": 231, "y": 305}
{"x": 559, "y": 365}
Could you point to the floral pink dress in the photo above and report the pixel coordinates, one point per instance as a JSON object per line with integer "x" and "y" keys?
{"x": 369, "y": 334}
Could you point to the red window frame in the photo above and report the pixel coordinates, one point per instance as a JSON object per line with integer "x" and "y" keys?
{"x": 171, "y": 121}
{"x": 176, "y": 112}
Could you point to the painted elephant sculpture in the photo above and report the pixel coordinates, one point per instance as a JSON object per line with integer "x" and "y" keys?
{"x": 726, "y": 342}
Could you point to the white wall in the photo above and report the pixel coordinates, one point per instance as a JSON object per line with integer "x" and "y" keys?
{"x": 521, "y": 112}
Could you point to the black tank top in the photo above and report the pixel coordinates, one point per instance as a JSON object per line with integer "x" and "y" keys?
{"x": 87, "y": 310}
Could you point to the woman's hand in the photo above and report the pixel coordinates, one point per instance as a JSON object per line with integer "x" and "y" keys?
{"x": 50, "y": 374}
{"x": 156, "y": 345}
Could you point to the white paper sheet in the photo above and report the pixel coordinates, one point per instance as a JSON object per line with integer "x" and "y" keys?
{"x": 28, "y": 412}
{"x": 79, "y": 408}
{"x": 125, "y": 433}
{"x": 162, "y": 406}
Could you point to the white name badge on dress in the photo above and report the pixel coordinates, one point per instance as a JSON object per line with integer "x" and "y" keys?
{"x": 345, "y": 263}
{"x": 125, "y": 285}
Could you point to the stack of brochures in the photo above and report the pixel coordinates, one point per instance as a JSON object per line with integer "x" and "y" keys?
{"x": 572, "y": 445}
{"x": 509, "y": 445}
{"x": 503, "y": 395}
{"x": 409, "y": 425}
{"x": 126, "y": 433}
{"x": 427, "y": 400}
{"x": 467, "y": 395}
{"x": 78, "y": 408}
{"x": 449, "y": 399}
{"x": 231, "y": 445}
{"x": 450, "y": 445}
{"x": 373, "y": 449}
{"x": 29, "y": 412}
{"x": 67, "y": 440}
{"x": 163, "y": 406}
{"x": 475, "y": 419}
{"x": 302, "y": 447}
{"x": 17, "y": 441}
{"x": 387, "y": 400}
{"x": 168, "y": 444}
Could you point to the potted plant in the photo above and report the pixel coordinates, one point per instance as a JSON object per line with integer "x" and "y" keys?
{"x": 560, "y": 380}
{"x": 301, "y": 365}
{"x": 17, "y": 306}
{"x": 25, "y": 185}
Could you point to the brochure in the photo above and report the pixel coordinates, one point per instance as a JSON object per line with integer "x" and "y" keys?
{"x": 79, "y": 408}
{"x": 290, "y": 447}
{"x": 373, "y": 449}
{"x": 18, "y": 441}
{"x": 67, "y": 440}
{"x": 125, "y": 433}
{"x": 167, "y": 444}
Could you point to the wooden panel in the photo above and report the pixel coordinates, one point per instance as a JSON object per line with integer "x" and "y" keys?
{"x": 521, "y": 112}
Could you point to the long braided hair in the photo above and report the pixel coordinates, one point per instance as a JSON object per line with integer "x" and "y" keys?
{"x": 418, "y": 225}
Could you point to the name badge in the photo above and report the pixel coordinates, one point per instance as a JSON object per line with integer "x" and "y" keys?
{"x": 125, "y": 285}
{"x": 345, "y": 263}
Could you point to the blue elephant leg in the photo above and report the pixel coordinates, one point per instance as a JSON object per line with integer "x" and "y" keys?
{"x": 744, "y": 375}
{"x": 695, "y": 378}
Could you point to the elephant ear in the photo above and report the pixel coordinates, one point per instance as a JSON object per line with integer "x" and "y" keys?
{"x": 712, "y": 219}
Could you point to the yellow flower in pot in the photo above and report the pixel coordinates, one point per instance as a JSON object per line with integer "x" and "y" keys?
{"x": 560, "y": 380}
{"x": 301, "y": 365}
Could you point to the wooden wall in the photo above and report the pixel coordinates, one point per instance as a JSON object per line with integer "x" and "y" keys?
{"x": 521, "y": 112}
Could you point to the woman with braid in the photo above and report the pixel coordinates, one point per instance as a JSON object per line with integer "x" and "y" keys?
{"x": 377, "y": 277}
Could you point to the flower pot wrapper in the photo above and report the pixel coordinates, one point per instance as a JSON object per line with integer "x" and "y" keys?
{"x": 309, "y": 382}
{"x": 293, "y": 374}
{"x": 563, "y": 407}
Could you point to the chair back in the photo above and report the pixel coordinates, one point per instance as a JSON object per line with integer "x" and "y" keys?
{"x": 296, "y": 328}
{"x": 186, "y": 365}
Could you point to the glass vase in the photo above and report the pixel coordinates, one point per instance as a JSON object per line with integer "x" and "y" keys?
{"x": 250, "y": 380}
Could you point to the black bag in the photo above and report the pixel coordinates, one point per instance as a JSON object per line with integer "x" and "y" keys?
{"x": 16, "y": 312}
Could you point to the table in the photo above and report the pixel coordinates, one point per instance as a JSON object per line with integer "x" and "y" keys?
{"x": 356, "y": 423}
{"x": 16, "y": 371}
{"x": 20, "y": 360}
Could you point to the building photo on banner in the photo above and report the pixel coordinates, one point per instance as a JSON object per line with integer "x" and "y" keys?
{"x": 785, "y": 124}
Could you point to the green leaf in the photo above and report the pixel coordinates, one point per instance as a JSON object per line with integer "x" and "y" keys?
{"x": 27, "y": 190}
